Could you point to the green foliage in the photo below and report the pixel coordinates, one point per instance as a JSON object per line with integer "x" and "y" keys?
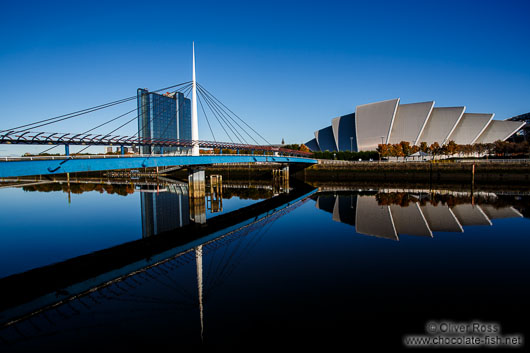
{"x": 347, "y": 155}
{"x": 294, "y": 146}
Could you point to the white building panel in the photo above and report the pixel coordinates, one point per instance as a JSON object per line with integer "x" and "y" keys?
{"x": 502, "y": 212}
{"x": 470, "y": 127}
{"x": 373, "y": 123}
{"x": 471, "y": 215}
{"x": 409, "y": 220}
{"x": 335, "y": 122}
{"x": 409, "y": 122}
{"x": 441, "y": 124}
{"x": 374, "y": 219}
{"x": 440, "y": 218}
{"x": 499, "y": 130}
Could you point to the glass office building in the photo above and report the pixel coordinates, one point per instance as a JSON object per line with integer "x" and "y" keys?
{"x": 163, "y": 117}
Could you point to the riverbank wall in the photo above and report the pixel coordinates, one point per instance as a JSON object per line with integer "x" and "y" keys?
{"x": 438, "y": 172}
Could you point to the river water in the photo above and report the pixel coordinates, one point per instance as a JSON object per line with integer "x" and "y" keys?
{"x": 131, "y": 265}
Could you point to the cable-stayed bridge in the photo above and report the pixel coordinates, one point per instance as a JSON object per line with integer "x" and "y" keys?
{"x": 244, "y": 143}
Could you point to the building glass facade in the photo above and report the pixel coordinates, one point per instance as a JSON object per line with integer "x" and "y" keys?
{"x": 163, "y": 117}
{"x": 164, "y": 211}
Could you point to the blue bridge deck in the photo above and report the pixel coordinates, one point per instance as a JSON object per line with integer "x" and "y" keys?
{"x": 38, "y": 166}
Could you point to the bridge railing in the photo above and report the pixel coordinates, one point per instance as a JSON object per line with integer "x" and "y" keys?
{"x": 55, "y": 138}
{"x": 111, "y": 156}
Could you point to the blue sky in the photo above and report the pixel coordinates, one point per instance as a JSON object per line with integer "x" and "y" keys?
{"x": 286, "y": 67}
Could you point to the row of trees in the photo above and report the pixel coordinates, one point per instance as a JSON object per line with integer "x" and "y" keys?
{"x": 404, "y": 149}
{"x": 499, "y": 148}
{"x": 347, "y": 155}
{"x": 297, "y": 147}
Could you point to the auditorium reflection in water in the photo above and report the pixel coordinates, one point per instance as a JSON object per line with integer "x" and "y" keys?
{"x": 241, "y": 270}
{"x": 391, "y": 213}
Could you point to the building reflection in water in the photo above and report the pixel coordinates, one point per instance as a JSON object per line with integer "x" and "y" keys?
{"x": 171, "y": 206}
{"x": 164, "y": 209}
{"x": 391, "y": 214}
{"x": 174, "y": 204}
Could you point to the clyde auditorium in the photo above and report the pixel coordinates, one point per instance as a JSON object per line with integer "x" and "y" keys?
{"x": 389, "y": 122}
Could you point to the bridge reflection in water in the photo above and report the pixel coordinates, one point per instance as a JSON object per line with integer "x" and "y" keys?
{"x": 180, "y": 279}
{"x": 166, "y": 206}
{"x": 391, "y": 213}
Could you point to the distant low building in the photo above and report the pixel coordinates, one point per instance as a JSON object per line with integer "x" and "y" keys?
{"x": 390, "y": 122}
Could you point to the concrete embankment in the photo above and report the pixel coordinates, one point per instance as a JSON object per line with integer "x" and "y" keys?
{"x": 439, "y": 172}
{"x": 486, "y": 172}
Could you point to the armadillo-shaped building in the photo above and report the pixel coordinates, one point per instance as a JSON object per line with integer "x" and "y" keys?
{"x": 391, "y": 122}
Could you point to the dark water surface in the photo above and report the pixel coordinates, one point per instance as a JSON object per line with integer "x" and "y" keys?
{"x": 323, "y": 267}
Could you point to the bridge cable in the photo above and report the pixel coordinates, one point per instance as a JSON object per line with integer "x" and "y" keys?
{"x": 120, "y": 116}
{"x": 82, "y": 112}
{"x": 184, "y": 88}
{"x": 218, "y": 277}
{"x": 222, "y": 121}
{"x": 250, "y": 127}
{"x": 225, "y": 115}
{"x": 70, "y": 115}
{"x": 232, "y": 113}
{"x": 219, "y": 108}
{"x": 119, "y": 127}
{"x": 109, "y": 121}
{"x": 228, "y": 115}
{"x": 233, "y": 128}
{"x": 87, "y": 131}
{"x": 206, "y": 116}
{"x": 185, "y": 92}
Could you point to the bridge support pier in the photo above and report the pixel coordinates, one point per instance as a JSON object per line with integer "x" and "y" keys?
{"x": 122, "y": 150}
{"x": 197, "y": 194}
{"x": 216, "y": 193}
{"x": 280, "y": 180}
{"x": 67, "y": 150}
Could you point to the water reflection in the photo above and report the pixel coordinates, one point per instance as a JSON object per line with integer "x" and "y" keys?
{"x": 391, "y": 213}
{"x": 164, "y": 210}
{"x": 165, "y": 203}
{"x": 149, "y": 276}
{"x": 246, "y": 272}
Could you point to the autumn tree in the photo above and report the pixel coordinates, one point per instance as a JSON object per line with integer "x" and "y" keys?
{"x": 434, "y": 149}
{"x": 397, "y": 150}
{"x": 450, "y": 148}
{"x": 405, "y": 148}
{"x": 384, "y": 149}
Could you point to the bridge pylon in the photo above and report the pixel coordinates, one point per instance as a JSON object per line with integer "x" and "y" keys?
{"x": 194, "y": 119}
